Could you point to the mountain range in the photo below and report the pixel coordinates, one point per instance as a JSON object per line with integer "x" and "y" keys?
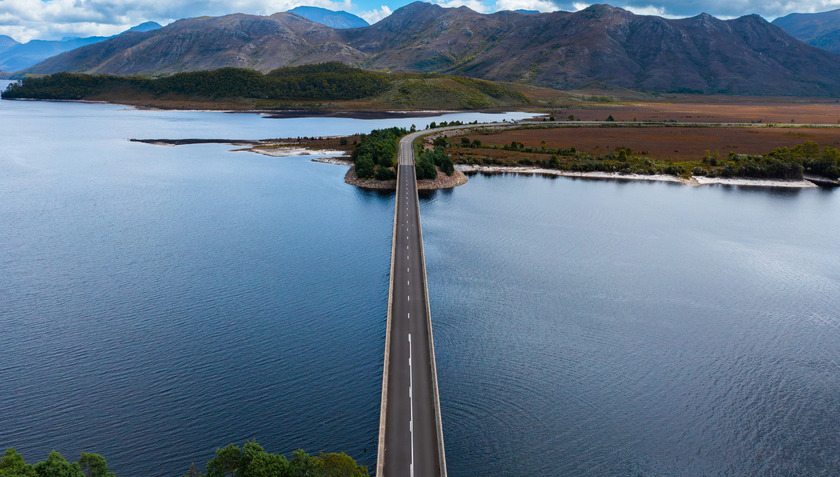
{"x": 598, "y": 45}
{"x": 816, "y": 29}
{"x": 16, "y": 56}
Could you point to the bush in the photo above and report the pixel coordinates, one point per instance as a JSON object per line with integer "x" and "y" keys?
{"x": 385, "y": 174}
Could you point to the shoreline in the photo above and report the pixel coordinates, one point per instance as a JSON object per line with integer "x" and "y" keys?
{"x": 694, "y": 181}
{"x": 441, "y": 182}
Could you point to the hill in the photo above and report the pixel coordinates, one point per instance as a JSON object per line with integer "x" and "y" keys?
{"x": 330, "y": 18}
{"x": 821, "y": 30}
{"x": 18, "y": 56}
{"x": 305, "y": 87}
{"x": 598, "y": 45}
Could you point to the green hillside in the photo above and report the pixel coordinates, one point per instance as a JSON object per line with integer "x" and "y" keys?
{"x": 309, "y": 86}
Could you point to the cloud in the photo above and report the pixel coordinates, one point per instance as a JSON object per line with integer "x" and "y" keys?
{"x": 53, "y": 19}
{"x": 374, "y": 16}
{"x": 474, "y": 5}
{"x": 539, "y": 5}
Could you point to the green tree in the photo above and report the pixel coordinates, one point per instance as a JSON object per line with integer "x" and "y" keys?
{"x": 57, "y": 466}
{"x": 226, "y": 463}
{"x": 13, "y": 465}
{"x": 94, "y": 465}
{"x": 364, "y": 167}
{"x": 341, "y": 465}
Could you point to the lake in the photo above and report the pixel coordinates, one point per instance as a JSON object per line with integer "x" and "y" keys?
{"x": 159, "y": 302}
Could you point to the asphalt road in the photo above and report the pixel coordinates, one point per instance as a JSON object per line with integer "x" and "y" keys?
{"x": 412, "y": 436}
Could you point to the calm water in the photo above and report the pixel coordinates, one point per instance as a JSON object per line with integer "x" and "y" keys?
{"x": 159, "y": 302}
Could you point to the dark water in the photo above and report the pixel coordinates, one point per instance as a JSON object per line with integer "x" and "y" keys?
{"x": 159, "y": 302}
{"x": 608, "y": 328}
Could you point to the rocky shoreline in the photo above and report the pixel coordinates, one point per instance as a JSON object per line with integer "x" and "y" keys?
{"x": 442, "y": 182}
{"x": 694, "y": 181}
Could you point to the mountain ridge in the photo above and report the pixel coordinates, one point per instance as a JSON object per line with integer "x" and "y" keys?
{"x": 821, "y": 30}
{"x": 18, "y": 56}
{"x": 561, "y": 50}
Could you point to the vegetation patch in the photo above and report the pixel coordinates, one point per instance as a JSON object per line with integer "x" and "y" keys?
{"x": 249, "y": 461}
{"x": 782, "y": 163}
{"x": 306, "y": 87}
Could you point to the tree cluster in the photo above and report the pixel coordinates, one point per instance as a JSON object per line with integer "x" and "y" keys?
{"x": 375, "y": 154}
{"x": 327, "y": 81}
{"x": 89, "y": 465}
{"x": 252, "y": 461}
{"x": 428, "y": 159}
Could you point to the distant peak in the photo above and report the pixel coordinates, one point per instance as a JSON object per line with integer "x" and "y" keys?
{"x": 146, "y": 26}
{"x": 330, "y": 18}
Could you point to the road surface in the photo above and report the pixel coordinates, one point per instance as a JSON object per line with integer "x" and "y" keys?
{"x": 411, "y": 438}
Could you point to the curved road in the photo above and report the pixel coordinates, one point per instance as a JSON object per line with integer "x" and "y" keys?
{"x": 410, "y": 434}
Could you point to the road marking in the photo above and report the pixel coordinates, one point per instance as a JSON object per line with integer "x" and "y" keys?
{"x": 409, "y": 316}
{"x": 409, "y": 297}
{"x": 408, "y": 282}
{"x": 411, "y": 404}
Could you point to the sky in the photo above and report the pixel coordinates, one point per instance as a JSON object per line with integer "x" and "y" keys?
{"x": 25, "y": 20}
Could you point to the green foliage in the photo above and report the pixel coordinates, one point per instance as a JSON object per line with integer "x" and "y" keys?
{"x": 327, "y": 81}
{"x": 57, "y": 466}
{"x": 13, "y": 465}
{"x": 379, "y": 148}
{"x": 94, "y": 465}
{"x": 425, "y": 166}
{"x": 364, "y": 167}
{"x": 385, "y": 174}
{"x": 253, "y": 461}
{"x": 89, "y": 465}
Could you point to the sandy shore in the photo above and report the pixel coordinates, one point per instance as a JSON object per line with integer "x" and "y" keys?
{"x": 693, "y": 181}
{"x": 294, "y": 151}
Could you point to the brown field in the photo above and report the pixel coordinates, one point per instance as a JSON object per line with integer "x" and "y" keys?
{"x": 712, "y": 109}
{"x": 661, "y": 143}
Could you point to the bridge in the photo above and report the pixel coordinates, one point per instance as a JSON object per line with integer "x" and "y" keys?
{"x": 410, "y": 429}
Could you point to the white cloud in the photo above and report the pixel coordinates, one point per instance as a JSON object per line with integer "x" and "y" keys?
{"x": 474, "y": 5}
{"x": 374, "y": 16}
{"x": 577, "y": 6}
{"x": 27, "y": 19}
{"x": 539, "y": 5}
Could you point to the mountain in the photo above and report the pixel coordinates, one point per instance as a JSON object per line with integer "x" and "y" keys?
{"x": 145, "y": 26}
{"x": 4, "y": 75}
{"x": 330, "y": 18}
{"x": 816, "y": 29}
{"x": 19, "y": 56}
{"x": 7, "y": 42}
{"x": 598, "y": 45}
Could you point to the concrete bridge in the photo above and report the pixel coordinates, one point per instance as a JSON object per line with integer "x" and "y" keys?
{"x": 410, "y": 429}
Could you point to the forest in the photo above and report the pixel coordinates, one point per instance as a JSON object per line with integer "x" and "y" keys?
{"x": 326, "y": 81}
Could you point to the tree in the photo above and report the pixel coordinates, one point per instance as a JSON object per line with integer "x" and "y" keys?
{"x": 94, "y": 465}
{"x": 385, "y": 174}
{"x": 226, "y": 463}
{"x": 341, "y": 465}
{"x": 364, "y": 167}
{"x": 610, "y": 118}
{"x": 13, "y": 465}
{"x": 57, "y": 466}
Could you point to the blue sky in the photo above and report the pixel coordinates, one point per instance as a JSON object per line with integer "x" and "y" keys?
{"x": 24, "y": 20}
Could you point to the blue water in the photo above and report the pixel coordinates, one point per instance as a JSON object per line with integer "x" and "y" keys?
{"x": 614, "y": 328}
{"x": 159, "y": 302}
